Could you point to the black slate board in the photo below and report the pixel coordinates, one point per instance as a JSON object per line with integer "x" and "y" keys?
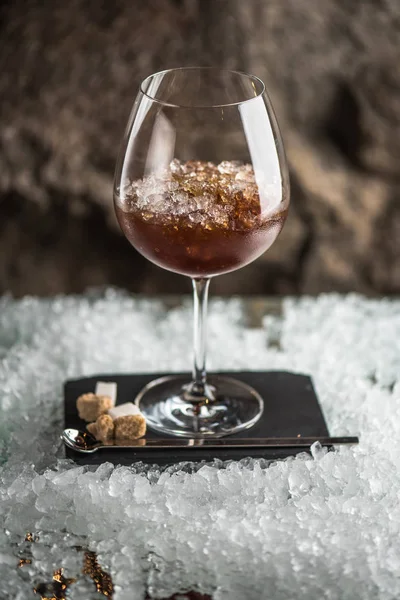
{"x": 291, "y": 408}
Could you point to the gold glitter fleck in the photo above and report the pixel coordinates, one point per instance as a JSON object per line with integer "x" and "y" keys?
{"x": 101, "y": 579}
{"x": 56, "y": 588}
{"x": 29, "y": 537}
{"x": 24, "y": 561}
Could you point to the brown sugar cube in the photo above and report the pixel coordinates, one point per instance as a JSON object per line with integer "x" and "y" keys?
{"x": 91, "y": 406}
{"x": 102, "y": 429}
{"x": 130, "y": 427}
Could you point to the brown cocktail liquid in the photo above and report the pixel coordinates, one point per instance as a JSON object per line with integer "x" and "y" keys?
{"x": 199, "y": 219}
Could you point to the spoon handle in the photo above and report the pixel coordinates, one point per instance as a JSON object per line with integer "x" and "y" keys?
{"x": 236, "y": 443}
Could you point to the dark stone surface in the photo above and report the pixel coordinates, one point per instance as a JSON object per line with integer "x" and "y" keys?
{"x": 69, "y": 73}
{"x": 291, "y": 410}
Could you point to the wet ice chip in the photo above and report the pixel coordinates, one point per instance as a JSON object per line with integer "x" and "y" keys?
{"x": 317, "y": 450}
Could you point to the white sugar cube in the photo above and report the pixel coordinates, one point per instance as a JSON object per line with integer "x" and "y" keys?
{"x": 123, "y": 410}
{"x": 107, "y": 388}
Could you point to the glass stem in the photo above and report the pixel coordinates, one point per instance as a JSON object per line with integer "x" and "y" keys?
{"x": 200, "y": 298}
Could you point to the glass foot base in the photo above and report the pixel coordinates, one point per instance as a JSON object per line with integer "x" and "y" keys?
{"x": 233, "y": 406}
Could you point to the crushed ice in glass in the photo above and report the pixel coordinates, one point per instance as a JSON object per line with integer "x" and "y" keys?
{"x": 229, "y": 193}
{"x": 325, "y": 525}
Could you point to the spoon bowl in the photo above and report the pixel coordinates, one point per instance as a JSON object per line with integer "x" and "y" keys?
{"x": 81, "y": 441}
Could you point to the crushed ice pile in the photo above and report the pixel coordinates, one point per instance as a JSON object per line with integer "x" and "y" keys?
{"x": 322, "y": 526}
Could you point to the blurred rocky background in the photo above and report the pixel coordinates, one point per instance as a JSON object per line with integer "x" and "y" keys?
{"x": 68, "y": 75}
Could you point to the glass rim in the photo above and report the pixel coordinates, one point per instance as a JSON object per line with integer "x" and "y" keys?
{"x": 249, "y": 76}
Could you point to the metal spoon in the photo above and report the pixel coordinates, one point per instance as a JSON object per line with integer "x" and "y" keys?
{"x": 84, "y": 442}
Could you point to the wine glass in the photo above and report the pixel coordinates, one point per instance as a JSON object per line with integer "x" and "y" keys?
{"x": 201, "y": 188}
